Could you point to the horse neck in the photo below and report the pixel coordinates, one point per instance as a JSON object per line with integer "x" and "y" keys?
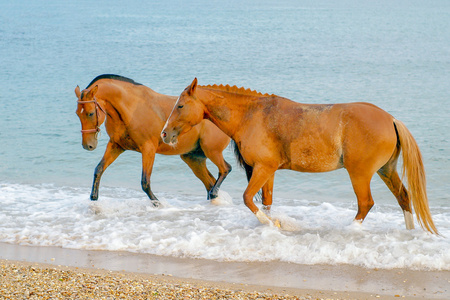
{"x": 163, "y": 105}
{"x": 111, "y": 101}
{"x": 120, "y": 108}
{"x": 226, "y": 110}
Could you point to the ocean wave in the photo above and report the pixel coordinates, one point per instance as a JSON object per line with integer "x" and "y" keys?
{"x": 188, "y": 226}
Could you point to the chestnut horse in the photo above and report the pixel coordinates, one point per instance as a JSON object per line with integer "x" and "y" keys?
{"x": 271, "y": 133}
{"x": 135, "y": 116}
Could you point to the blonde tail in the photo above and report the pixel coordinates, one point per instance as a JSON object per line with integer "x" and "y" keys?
{"x": 415, "y": 172}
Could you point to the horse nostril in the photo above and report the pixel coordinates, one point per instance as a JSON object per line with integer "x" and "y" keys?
{"x": 164, "y": 134}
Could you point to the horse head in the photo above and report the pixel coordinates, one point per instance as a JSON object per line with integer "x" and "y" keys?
{"x": 91, "y": 116}
{"x": 187, "y": 112}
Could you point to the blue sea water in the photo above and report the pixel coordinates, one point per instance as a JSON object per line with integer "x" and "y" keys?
{"x": 393, "y": 54}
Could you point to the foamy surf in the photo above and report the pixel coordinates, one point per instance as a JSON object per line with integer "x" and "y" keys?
{"x": 189, "y": 226}
{"x": 222, "y": 199}
{"x": 287, "y": 223}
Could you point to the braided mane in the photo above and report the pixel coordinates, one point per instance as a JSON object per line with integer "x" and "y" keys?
{"x": 236, "y": 90}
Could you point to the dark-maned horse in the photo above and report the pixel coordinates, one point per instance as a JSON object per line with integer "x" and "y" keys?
{"x": 272, "y": 133}
{"x": 135, "y": 116}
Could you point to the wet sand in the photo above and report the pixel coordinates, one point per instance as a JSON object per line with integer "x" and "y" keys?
{"x": 222, "y": 280}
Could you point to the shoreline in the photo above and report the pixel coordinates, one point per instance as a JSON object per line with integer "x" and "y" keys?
{"x": 316, "y": 281}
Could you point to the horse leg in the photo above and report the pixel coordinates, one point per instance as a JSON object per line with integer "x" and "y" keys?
{"x": 361, "y": 187}
{"x": 148, "y": 158}
{"x": 390, "y": 177}
{"x": 224, "y": 169}
{"x": 259, "y": 178}
{"x": 212, "y": 142}
{"x": 267, "y": 193}
{"x": 111, "y": 153}
{"x": 197, "y": 163}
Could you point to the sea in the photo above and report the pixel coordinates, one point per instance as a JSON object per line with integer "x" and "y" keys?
{"x": 394, "y": 54}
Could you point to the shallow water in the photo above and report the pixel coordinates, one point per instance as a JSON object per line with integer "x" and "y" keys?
{"x": 395, "y": 55}
{"x": 187, "y": 226}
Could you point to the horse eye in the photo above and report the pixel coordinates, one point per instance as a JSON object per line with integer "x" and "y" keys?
{"x": 180, "y": 106}
{"x": 91, "y": 114}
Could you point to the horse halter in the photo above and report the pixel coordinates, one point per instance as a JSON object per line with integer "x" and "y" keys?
{"x": 97, "y": 126}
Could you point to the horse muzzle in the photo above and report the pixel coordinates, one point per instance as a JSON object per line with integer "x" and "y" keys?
{"x": 89, "y": 146}
{"x": 170, "y": 138}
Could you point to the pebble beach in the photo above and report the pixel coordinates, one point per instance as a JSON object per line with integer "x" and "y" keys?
{"x": 23, "y": 280}
{"x": 28, "y": 272}
{"x": 29, "y": 281}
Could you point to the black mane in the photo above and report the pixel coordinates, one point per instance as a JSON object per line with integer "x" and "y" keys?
{"x": 112, "y": 76}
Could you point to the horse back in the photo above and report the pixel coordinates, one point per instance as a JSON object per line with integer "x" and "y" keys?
{"x": 323, "y": 137}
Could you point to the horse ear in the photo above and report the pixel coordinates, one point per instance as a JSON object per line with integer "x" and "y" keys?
{"x": 93, "y": 91}
{"x": 77, "y": 92}
{"x": 192, "y": 87}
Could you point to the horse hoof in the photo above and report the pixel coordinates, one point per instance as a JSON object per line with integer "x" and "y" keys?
{"x": 156, "y": 203}
{"x": 277, "y": 223}
{"x": 212, "y": 195}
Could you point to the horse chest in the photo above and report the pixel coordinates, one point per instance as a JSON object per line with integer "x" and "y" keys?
{"x": 124, "y": 140}
{"x": 128, "y": 144}
{"x": 119, "y": 134}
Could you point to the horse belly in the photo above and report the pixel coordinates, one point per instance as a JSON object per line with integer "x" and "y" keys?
{"x": 313, "y": 159}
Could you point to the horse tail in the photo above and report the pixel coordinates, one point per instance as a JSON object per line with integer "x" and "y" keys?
{"x": 415, "y": 172}
{"x": 248, "y": 169}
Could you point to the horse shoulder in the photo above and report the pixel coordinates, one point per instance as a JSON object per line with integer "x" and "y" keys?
{"x": 210, "y": 135}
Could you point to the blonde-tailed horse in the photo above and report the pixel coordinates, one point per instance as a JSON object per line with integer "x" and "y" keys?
{"x": 272, "y": 133}
{"x": 134, "y": 116}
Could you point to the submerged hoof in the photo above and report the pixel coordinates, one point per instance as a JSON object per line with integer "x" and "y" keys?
{"x": 276, "y": 223}
{"x": 155, "y": 203}
{"x": 94, "y": 195}
{"x": 212, "y": 195}
{"x": 223, "y": 198}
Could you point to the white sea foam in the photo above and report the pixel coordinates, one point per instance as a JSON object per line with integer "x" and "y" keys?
{"x": 187, "y": 226}
{"x": 223, "y": 199}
